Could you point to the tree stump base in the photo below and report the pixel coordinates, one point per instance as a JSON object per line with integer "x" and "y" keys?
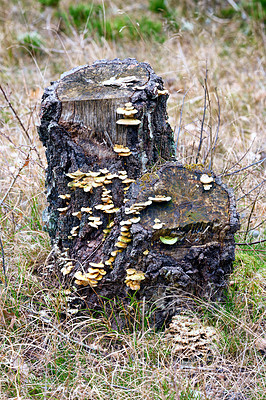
{"x": 124, "y": 218}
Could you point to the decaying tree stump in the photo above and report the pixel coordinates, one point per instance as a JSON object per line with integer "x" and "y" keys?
{"x": 124, "y": 218}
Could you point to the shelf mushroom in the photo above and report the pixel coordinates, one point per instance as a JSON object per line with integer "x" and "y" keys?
{"x": 134, "y": 278}
{"x": 207, "y": 181}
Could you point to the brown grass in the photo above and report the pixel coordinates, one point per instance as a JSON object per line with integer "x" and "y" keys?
{"x": 45, "y": 356}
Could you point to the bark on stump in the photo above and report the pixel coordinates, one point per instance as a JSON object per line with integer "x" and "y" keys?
{"x": 123, "y": 217}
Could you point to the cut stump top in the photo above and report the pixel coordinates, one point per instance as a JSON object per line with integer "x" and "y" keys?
{"x": 102, "y": 81}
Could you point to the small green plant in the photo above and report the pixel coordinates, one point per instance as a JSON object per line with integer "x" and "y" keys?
{"x": 49, "y": 3}
{"x": 31, "y": 42}
{"x": 86, "y": 16}
{"x": 161, "y": 7}
{"x": 151, "y": 29}
{"x": 158, "y": 6}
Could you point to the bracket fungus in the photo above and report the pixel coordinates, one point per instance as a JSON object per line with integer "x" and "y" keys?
{"x": 67, "y": 268}
{"x": 128, "y": 111}
{"x": 94, "y": 222}
{"x": 207, "y": 181}
{"x": 62, "y": 210}
{"x": 86, "y": 210}
{"x": 134, "y": 278}
{"x": 66, "y": 196}
{"x": 122, "y": 150}
{"x": 162, "y": 92}
{"x": 191, "y": 338}
{"x": 74, "y": 230}
{"x": 77, "y": 214}
{"x": 92, "y": 277}
{"x": 157, "y": 224}
{"x": 160, "y": 199}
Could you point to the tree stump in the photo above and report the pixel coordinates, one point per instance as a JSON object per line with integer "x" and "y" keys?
{"x": 124, "y": 218}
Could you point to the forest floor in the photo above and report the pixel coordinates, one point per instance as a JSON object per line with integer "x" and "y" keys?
{"x": 44, "y": 355}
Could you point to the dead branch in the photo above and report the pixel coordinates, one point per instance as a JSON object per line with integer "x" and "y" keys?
{"x": 250, "y": 215}
{"x": 209, "y": 126}
{"x": 217, "y": 130}
{"x": 241, "y": 158}
{"x": 22, "y": 125}
{"x": 243, "y": 169}
{"x": 204, "y": 113}
{"x": 180, "y": 120}
{"x": 26, "y": 162}
{"x": 252, "y": 243}
{"x": 255, "y": 187}
{"x": 3, "y": 260}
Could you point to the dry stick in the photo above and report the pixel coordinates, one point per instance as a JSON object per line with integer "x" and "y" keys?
{"x": 14, "y": 179}
{"x": 243, "y": 169}
{"x": 241, "y": 158}
{"x": 3, "y": 260}
{"x": 21, "y": 124}
{"x": 217, "y": 130}
{"x": 261, "y": 183}
{"x": 249, "y": 244}
{"x": 210, "y": 126}
{"x": 204, "y": 113}
{"x": 180, "y": 120}
{"x": 250, "y": 215}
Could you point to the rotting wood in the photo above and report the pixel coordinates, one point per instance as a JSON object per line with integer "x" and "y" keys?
{"x": 122, "y": 216}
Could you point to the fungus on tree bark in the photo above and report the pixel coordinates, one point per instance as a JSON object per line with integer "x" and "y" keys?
{"x": 117, "y": 199}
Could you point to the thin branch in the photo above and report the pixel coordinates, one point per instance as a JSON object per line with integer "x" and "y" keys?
{"x": 180, "y": 120}
{"x": 14, "y": 179}
{"x": 209, "y": 126}
{"x": 21, "y": 124}
{"x": 3, "y": 260}
{"x": 204, "y": 113}
{"x": 241, "y": 158}
{"x": 261, "y": 183}
{"x": 249, "y": 244}
{"x": 250, "y": 215}
{"x": 243, "y": 169}
{"x": 217, "y": 130}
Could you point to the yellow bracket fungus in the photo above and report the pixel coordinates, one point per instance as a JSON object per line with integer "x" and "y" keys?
{"x": 62, "y": 210}
{"x": 77, "y": 214}
{"x": 92, "y": 277}
{"x": 134, "y": 278}
{"x": 65, "y": 196}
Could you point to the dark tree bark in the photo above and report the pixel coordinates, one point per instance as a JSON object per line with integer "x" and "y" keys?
{"x": 123, "y": 217}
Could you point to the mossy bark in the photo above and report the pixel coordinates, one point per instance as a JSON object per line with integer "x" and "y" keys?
{"x": 191, "y": 247}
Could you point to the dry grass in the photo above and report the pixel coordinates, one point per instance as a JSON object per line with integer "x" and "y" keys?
{"x": 43, "y": 355}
